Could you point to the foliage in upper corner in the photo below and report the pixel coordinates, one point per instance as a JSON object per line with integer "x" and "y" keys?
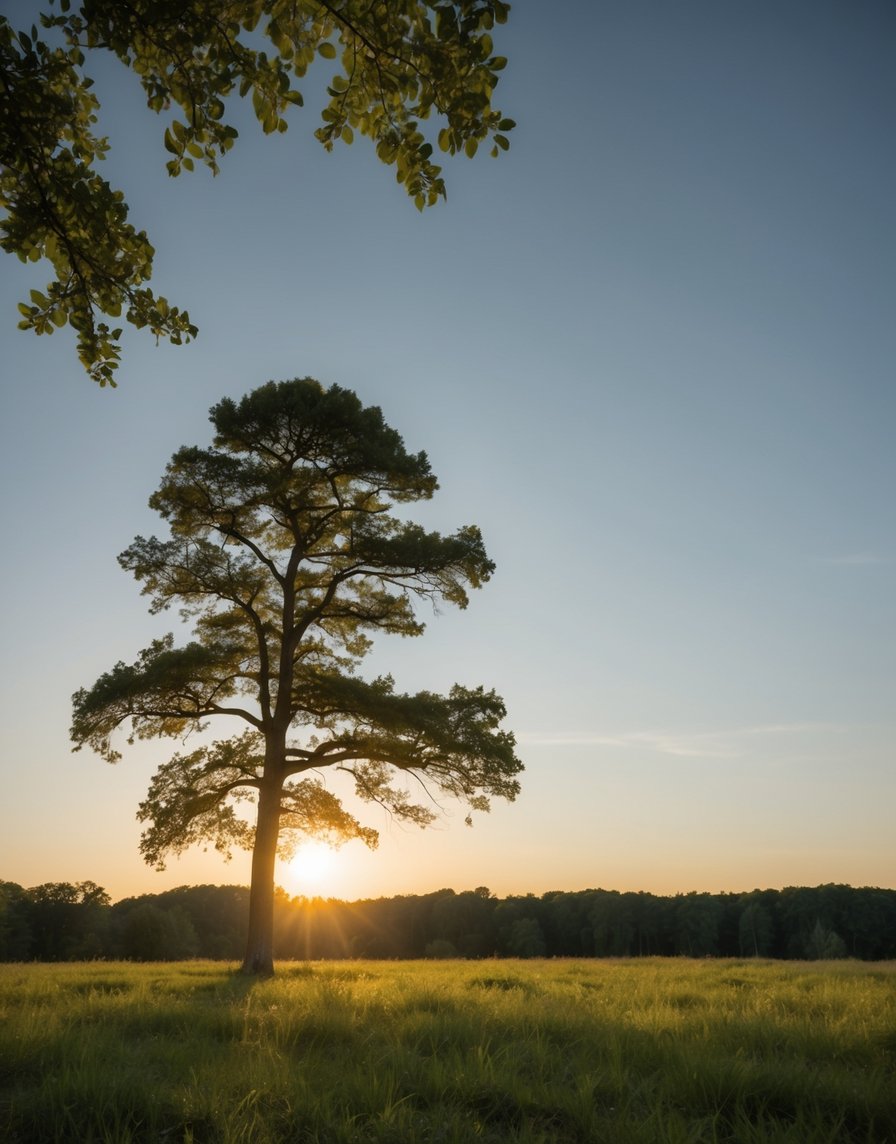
{"x": 398, "y": 62}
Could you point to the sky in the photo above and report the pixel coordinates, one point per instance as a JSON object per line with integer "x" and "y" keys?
{"x": 649, "y": 351}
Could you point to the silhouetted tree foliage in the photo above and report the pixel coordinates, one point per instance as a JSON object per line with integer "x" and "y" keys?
{"x": 410, "y": 75}
{"x": 150, "y": 933}
{"x": 206, "y": 921}
{"x": 63, "y": 921}
{"x": 15, "y": 931}
{"x": 286, "y": 550}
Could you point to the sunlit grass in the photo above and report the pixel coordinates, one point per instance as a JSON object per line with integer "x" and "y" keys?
{"x": 640, "y": 1051}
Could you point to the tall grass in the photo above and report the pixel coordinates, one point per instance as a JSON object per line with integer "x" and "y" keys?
{"x": 631, "y": 1051}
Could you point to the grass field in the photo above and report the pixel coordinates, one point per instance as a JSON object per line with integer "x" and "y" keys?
{"x": 450, "y": 1052}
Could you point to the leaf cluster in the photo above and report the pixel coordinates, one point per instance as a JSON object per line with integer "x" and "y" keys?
{"x": 191, "y": 800}
{"x": 399, "y": 65}
{"x": 59, "y": 208}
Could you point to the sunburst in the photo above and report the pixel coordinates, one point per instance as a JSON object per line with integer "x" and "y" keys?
{"x": 311, "y": 866}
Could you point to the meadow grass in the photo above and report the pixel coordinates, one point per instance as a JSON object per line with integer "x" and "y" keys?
{"x": 646, "y": 1051}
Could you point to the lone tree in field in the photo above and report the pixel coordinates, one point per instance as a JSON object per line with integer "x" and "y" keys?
{"x": 284, "y": 551}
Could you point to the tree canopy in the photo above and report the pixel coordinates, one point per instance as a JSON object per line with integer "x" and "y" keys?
{"x": 285, "y": 553}
{"x": 399, "y": 66}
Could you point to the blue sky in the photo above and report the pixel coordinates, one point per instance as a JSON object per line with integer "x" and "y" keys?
{"x": 649, "y": 351}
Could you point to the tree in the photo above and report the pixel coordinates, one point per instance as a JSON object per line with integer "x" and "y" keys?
{"x": 697, "y": 924}
{"x": 397, "y": 64}
{"x": 824, "y": 944}
{"x": 756, "y": 930}
{"x": 67, "y": 920}
{"x": 526, "y": 939}
{"x": 465, "y": 921}
{"x": 150, "y": 933}
{"x": 285, "y": 552}
{"x": 15, "y": 931}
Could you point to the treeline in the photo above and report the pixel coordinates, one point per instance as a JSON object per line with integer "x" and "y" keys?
{"x": 61, "y": 921}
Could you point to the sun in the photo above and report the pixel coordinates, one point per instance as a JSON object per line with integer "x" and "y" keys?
{"x": 312, "y": 866}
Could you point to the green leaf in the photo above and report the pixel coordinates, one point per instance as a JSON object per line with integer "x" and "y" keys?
{"x": 417, "y": 61}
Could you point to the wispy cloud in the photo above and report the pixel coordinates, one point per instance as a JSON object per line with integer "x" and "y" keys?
{"x": 719, "y": 744}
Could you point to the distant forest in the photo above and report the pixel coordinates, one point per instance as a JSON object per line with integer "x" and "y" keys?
{"x": 63, "y": 921}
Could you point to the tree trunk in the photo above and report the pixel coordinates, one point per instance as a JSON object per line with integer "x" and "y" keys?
{"x": 259, "y": 959}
